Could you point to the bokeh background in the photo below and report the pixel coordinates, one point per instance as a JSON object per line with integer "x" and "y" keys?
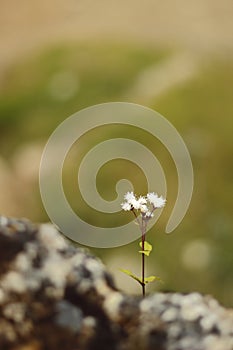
{"x": 176, "y": 57}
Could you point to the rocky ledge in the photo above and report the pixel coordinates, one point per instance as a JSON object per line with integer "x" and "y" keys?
{"x": 54, "y": 296}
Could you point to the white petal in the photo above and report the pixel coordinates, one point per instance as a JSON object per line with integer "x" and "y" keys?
{"x": 129, "y": 197}
{"x": 144, "y": 208}
{"x": 126, "y": 206}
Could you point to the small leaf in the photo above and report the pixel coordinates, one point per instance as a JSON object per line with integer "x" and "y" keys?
{"x": 152, "y": 279}
{"x": 147, "y": 248}
{"x": 129, "y": 273}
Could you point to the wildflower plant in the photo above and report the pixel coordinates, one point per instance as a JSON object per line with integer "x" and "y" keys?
{"x": 145, "y": 205}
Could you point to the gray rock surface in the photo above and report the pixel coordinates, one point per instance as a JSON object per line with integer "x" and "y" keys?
{"x": 54, "y": 296}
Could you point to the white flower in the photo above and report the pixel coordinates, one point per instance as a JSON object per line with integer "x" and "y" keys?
{"x": 135, "y": 203}
{"x": 149, "y": 214}
{"x": 131, "y": 202}
{"x": 126, "y": 206}
{"x": 143, "y": 208}
{"x": 155, "y": 200}
{"x": 142, "y": 200}
{"x": 138, "y": 203}
{"x": 129, "y": 197}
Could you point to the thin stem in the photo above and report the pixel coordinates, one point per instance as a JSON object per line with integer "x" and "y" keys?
{"x": 142, "y": 226}
{"x": 138, "y": 222}
{"x": 143, "y": 257}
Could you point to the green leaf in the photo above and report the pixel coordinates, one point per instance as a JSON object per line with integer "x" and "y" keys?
{"x": 151, "y": 279}
{"x": 147, "y": 248}
{"x": 147, "y": 245}
{"x": 129, "y": 273}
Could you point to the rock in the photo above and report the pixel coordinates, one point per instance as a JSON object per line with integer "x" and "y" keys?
{"x": 54, "y": 296}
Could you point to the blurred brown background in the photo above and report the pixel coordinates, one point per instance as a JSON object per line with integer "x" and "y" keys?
{"x": 58, "y": 57}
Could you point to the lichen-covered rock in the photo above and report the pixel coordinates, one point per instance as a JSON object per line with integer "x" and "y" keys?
{"x": 54, "y": 296}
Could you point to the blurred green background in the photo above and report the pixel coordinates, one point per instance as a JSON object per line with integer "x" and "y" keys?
{"x": 174, "y": 59}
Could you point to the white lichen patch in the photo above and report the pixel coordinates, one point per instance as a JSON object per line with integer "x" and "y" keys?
{"x": 23, "y": 262}
{"x": 170, "y": 314}
{"x": 84, "y": 285}
{"x": 53, "y": 267}
{"x": 112, "y": 304}
{"x": 95, "y": 267}
{"x": 77, "y": 260}
{"x": 3, "y": 221}
{"x": 193, "y": 298}
{"x": 154, "y": 302}
{"x": 174, "y": 330}
{"x": 145, "y": 305}
{"x": 101, "y": 287}
{"x": 32, "y": 281}
{"x": 14, "y": 282}
{"x": 208, "y": 322}
{"x": 31, "y": 250}
{"x": 212, "y": 303}
{"x": 193, "y": 307}
{"x": 176, "y": 298}
{"x": 191, "y": 313}
{"x": 213, "y": 342}
{"x": 50, "y": 238}
{"x": 15, "y": 312}
{"x": 188, "y": 343}
{"x": 224, "y": 326}
{"x": 54, "y": 293}
{"x": 89, "y": 322}
{"x": 56, "y": 269}
{"x": 23, "y": 266}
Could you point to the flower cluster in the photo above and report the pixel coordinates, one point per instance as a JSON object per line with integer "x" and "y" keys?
{"x": 146, "y": 204}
